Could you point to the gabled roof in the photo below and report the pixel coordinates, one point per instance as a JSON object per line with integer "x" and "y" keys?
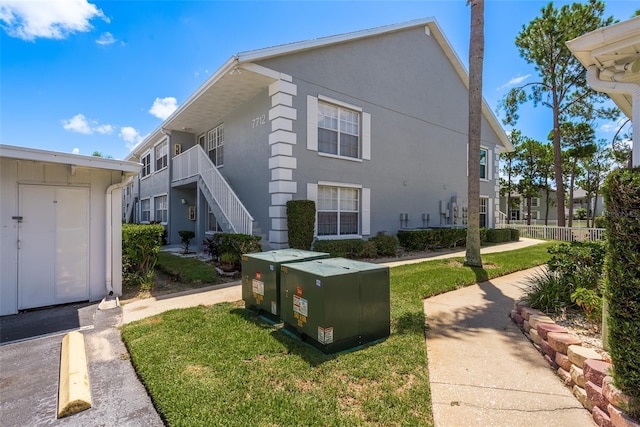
{"x": 239, "y": 80}
{"x": 24, "y": 153}
{"x": 612, "y": 49}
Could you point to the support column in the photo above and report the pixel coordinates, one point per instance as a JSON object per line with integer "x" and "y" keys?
{"x": 635, "y": 120}
{"x": 282, "y": 162}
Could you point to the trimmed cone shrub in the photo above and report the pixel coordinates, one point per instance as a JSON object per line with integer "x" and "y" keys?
{"x": 301, "y": 218}
{"x": 622, "y": 200}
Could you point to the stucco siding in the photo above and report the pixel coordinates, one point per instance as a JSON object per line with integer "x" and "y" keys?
{"x": 15, "y": 173}
{"x": 418, "y": 106}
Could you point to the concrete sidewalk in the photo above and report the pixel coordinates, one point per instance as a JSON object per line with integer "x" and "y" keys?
{"x": 483, "y": 371}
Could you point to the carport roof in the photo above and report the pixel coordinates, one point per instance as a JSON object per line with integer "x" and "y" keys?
{"x": 612, "y": 49}
{"x": 24, "y": 153}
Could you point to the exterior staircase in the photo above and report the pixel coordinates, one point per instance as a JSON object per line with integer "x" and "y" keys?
{"x": 194, "y": 165}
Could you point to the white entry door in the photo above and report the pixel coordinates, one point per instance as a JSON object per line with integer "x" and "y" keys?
{"x": 53, "y": 245}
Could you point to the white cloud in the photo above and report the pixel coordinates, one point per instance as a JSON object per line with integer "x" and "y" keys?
{"x": 106, "y": 39}
{"x": 514, "y": 81}
{"x": 51, "y": 19}
{"x": 80, "y": 124}
{"x": 612, "y": 127}
{"x": 130, "y": 135}
{"x": 76, "y": 151}
{"x": 104, "y": 129}
{"x": 77, "y": 123}
{"x": 163, "y": 107}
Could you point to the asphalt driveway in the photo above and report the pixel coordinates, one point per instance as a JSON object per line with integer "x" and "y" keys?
{"x": 30, "y": 362}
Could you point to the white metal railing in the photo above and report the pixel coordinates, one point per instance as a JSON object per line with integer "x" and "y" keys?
{"x": 194, "y": 162}
{"x": 566, "y": 234}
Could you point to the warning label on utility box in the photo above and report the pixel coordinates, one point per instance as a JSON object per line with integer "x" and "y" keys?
{"x": 300, "y": 306}
{"x": 325, "y": 335}
{"x": 258, "y": 287}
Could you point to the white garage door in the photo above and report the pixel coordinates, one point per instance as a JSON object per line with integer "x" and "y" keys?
{"x": 53, "y": 245}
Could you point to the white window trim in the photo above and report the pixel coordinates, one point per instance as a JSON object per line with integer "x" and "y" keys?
{"x": 312, "y": 128}
{"x": 154, "y": 207}
{"x": 488, "y": 165}
{"x": 164, "y": 141}
{"x": 150, "y": 154}
{"x": 328, "y": 100}
{"x": 150, "y": 210}
{"x": 364, "y": 212}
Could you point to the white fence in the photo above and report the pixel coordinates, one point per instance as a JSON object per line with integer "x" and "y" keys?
{"x": 566, "y": 234}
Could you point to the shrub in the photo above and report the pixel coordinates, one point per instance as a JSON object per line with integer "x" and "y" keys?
{"x": 591, "y": 304}
{"x": 546, "y": 291}
{"x": 515, "y": 234}
{"x": 301, "y": 218}
{"x": 420, "y": 240}
{"x": 343, "y": 248}
{"x": 580, "y": 264}
{"x": 231, "y": 243}
{"x": 599, "y": 222}
{"x": 572, "y": 266}
{"x": 385, "y": 244}
{"x": 622, "y": 200}
{"x": 498, "y": 235}
{"x": 483, "y": 235}
{"x": 140, "y": 247}
{"x": 186, "y": 236}
{"x": 369, "y": 249}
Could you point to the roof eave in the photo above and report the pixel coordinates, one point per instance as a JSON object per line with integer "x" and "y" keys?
{"x": 33, "y": 154}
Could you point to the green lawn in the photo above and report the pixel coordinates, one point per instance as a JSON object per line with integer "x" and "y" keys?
{"x": 186, "y": 270}
{"x": 221, "y": 365}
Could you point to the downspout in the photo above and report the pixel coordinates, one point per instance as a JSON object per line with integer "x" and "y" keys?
{"x": 109, "y": 236}
{"x": 633, "y": 89}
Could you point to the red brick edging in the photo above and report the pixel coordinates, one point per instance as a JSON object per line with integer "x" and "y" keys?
{"x": 580, "y": 368}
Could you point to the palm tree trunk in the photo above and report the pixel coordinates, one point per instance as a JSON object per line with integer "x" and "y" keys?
{"x": 476, "y": 59}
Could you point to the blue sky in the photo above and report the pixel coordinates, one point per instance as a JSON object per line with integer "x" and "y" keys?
{"x": 84, "y": 76}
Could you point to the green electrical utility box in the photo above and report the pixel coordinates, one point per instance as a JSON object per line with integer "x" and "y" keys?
{"x": 261, "y": 277}
{"x": 336, "y": 303}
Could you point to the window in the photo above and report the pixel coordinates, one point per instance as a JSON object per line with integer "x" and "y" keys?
{"x": 215, "y": 145}
{"x": 145, "y": 210}
{"x": 483, "y": 211}
{"x": 162, "y": 152}
{"x": 338, "y": 130}
{"x": 212, "y": 222}
{"x": 338, "y": 211}
{"x": 515, "y": 214}
{"x": 161, "y": 211}
{"x": 535, "y": 202}
{"x": 146, "y": 164}
{"x": 483, "y": 164}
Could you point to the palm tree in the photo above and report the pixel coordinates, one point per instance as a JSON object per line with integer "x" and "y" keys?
{"x": 476, "y": 59}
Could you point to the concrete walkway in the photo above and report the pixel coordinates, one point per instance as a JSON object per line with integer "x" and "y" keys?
{"x": 483, "y": 371}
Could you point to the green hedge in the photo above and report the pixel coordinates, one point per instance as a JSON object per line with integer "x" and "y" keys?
{"x": 140, "y": 246}
{"x": 515, "y": 234}
{"x": 420, "y": 240}
{"x": 343, "y": 248}
{"x": 385, "y": 244}
{"x": 498, "y": 235}
{"x": 622, "y": 200}
{"x": 301, "y": 218}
